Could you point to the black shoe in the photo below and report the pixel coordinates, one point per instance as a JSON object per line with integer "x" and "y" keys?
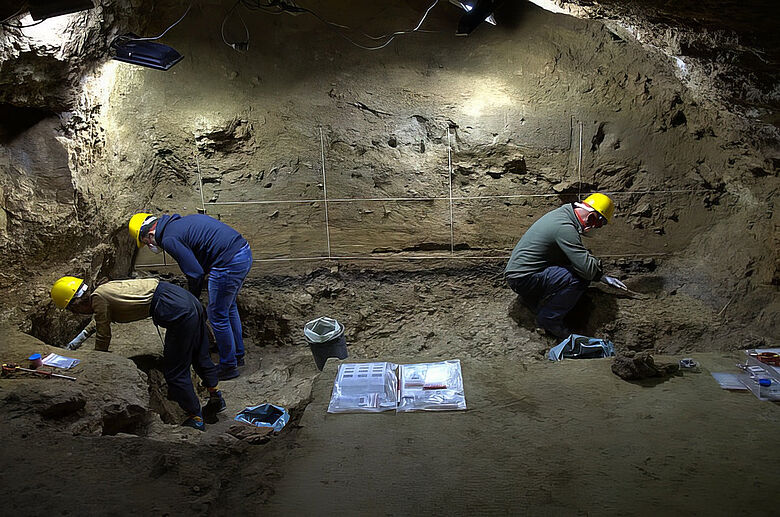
{"x": 216, "y": 404}
{"x": 229, "y": 372}
{"x": 240, "y": 360}
{"x": 558, "y": 331}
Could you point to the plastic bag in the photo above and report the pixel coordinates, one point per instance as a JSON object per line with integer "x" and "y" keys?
{"x": 264, "y": 415}
{"x": 322, "y": 329}
{"x": 581, "y": 347}
{"x": 364, "y": 388}
{"x": 375, "y": 387}
{"x": 60, "y": 361}
{"x": 325, "y": 337}
{"x": 431, "y": 387}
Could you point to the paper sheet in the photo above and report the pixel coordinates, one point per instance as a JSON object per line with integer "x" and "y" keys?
{"x": 59, "y": 361}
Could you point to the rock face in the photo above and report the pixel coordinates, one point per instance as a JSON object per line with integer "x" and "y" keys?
{"x": 724, "y": 50}
{"x": 110, "y": 395}
{"x": 432, "y": 146}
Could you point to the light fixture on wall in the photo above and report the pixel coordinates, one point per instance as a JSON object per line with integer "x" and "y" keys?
{"x": 477, "y": 11}
{"x": 43, "y": 9}
{"x": 129, "y": 48}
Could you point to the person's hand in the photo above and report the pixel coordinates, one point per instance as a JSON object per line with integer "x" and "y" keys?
{"x": 614, "y": 282}
{"x": 77, "y": 341}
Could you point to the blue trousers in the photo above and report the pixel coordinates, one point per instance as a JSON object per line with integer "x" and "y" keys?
{"x": 551, "y": 294}
{"x": 186, "y": 344}
{"x": 224, "y": 284}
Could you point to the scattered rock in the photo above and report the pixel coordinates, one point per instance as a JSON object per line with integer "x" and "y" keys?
{"x": 251, "y": 434}
{"x": 641, "y": 366}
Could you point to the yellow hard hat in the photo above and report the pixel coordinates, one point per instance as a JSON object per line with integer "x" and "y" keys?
{"x": 601, "y": 204}
{"x": 64, "y": 289}
{"x": 136, "y": 222}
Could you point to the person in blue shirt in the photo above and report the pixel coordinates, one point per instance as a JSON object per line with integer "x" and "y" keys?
{"x": 202, "y": 245}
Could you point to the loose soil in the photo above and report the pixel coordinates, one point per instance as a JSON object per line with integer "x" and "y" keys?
{"x": 538, "y": 437}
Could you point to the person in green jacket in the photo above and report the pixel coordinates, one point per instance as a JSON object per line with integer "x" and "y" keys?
{"x": 550, "y": 268}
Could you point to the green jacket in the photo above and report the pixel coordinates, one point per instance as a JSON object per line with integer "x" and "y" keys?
{"x": 553, "y": 240}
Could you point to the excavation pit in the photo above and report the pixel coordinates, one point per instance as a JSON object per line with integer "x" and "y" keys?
{"x": 386, "y": 188}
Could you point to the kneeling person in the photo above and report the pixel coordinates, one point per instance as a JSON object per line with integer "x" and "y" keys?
{"x": 550, "y": 268}
{"x": 170, "y": 307}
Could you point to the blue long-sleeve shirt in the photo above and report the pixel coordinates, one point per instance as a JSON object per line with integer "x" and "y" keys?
{"x": 198, "y": 243}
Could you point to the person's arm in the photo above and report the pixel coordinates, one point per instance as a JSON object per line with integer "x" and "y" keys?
{"x": 102, "y": 320}
{"x": 188, "y": 264}
{"x": 76, "y": 342}
{"x": 585, "y": 264}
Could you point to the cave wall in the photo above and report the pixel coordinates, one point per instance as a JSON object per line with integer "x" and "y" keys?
{"x": 512, "y": 97}
{"x": 513, "y": 103}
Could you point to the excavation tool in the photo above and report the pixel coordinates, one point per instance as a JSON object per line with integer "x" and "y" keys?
{"x": 617, "y": 284}
{"x": 10, "y": 368}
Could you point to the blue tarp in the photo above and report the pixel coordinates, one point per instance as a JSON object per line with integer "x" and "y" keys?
{"x": 264, "y": 415}
{"x": 581, "y": 347}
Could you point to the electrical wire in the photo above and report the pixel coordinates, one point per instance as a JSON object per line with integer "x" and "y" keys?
{"x": 126, "y": 38}
{"x": 392, "y": 35}
{"x": 290, "y": 7}
{"x": 7, "y": 25}
{"x": 268, "y": 7}
{"x": 235, "y": 46}
{"x": 11, "y": 26}
{"x": 17, "y": 13}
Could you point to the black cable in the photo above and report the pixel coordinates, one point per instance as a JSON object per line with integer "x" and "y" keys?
{"x": 11, "y": 26}
{"x": 267, "y": 7}
{"x": 164, "y": 32}
{"x": 392, "y": 35}
{"x": 235, "y": 46}
{"x": 289, "y": 7}
{"x": 17, "y": 13}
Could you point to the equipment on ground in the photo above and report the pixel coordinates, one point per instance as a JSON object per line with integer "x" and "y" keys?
{"x": 325, "y": 337}
{"x": 11, "y": 368}
{"x": 769, "y": 358}
{"x": 602, "y": 204}
{"x": 65, "y": 289}
{"x": 136, "y": 222}
{"x": 36, "y": 361}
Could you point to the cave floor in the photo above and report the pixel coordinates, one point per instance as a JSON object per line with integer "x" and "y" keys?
{"x": 565, "y": 438}
{"x": 538, "y": 437}
{"x": 554, "y": 439}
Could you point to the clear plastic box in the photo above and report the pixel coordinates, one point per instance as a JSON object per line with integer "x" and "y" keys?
{"x": 375, "y": 387}
{"x": 364, "y": 387}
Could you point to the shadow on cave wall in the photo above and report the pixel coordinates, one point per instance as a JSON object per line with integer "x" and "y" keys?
{"x": 15, "y": 120}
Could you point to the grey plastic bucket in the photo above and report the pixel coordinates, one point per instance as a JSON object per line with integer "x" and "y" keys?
{"x": 325, "y": 337}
